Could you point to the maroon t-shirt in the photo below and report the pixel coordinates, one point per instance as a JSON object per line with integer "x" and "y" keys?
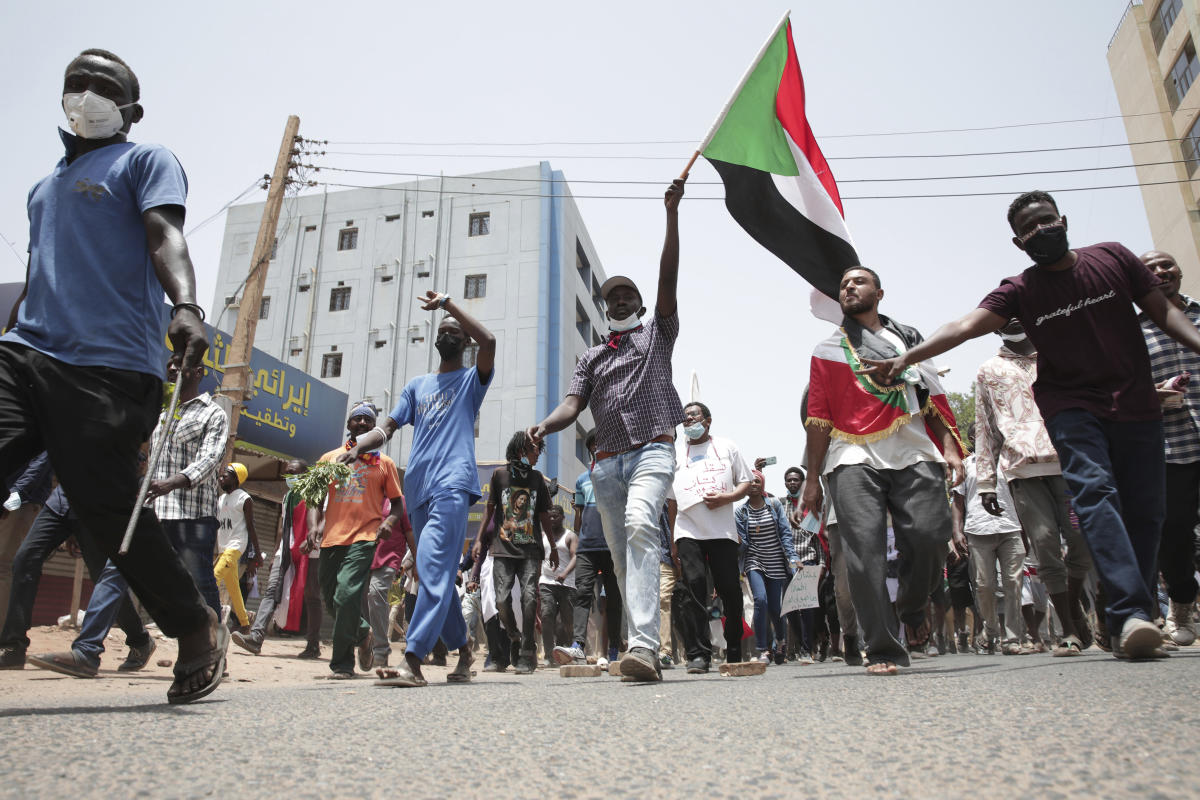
{"x": 1091, "y": 351}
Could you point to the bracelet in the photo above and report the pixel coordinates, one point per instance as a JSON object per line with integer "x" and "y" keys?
{"x": 445, "y": 299}
{"x": 193, "y": 306}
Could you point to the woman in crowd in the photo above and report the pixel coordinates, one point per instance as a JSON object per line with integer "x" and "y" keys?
{"x": 768, "y": 559}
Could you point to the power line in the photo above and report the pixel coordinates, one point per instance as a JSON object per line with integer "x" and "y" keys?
{"x": 609, "y": 157}
{"x": 979, "y": 129}
{"x": 222, "y": 209}
{"x": 718, "y": 183}
{"x": 1010, "y": 193}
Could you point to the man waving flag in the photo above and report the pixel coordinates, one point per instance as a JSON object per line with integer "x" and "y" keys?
{"x": 778, "y": 185}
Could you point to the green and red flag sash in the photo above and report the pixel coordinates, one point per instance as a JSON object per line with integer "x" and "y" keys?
{"x": 778, "y": 185}
{"x": 854, "y": 408}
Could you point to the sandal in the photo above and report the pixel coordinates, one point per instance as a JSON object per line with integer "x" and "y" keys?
{"x": 1069, "y": 646}
{"x": 366, "y": 652}
{"x": 882, "y": 668}
{"x": 401, "y": 675}
{"x": 341, "y": 676}
{"x": 214, "y": 658}
{"x": 917, "y": 637}
{"x": 66, "y": 663}
{"x": 462, "y": 670}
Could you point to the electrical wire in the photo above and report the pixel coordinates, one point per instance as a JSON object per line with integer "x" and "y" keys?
{"x": 1010, "y": 193}
{"x": 718, "y": 183}
{"x": 979, "y": 129}
{"x": 222, "y": 209}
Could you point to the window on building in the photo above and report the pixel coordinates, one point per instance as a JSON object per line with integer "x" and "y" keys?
{"x": 309, "y": 228}
{"x": 581, "y": 446}
{"x": 264, "y": 308}
{"x": 581, "y": 263}
{"x": 582, "y": 323}
{"x": 1191, "y": 147}
{"x": 391, "y": 217}
{"x": 331, "y": 365}
{"x": 295, "y": 351}
{"x": 231, "y": 301}
{"x": 348, "y": 239}
{"x": 479, "y": 224}
{"x": 274, "y": 248}
{"x": 470, "y": 354}
{"x": 596, "y": 339}
{"x": 597, "y": 300}
{"x": 1183, "y": 74}
{"x": 1163, "y": 19}
{"x": 339, "y": 298}
{"x": 415, "y": 336}
{"x": 476, "y": 287}
{"x": 426, "y": 215}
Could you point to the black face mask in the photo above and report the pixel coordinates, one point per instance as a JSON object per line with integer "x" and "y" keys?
{"x": 1048, "y": 245}
{"x": 447, "y": 347}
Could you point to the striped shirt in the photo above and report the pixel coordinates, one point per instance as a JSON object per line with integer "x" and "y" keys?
{"x": 808, "y": 547}
{"x": 1168, "y": 358}
{"x": 765, "y": 551}
{"x": 627, "y": 384}
{"x": 196, "y": 447}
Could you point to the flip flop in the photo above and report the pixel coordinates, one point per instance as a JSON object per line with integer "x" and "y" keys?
{"x": 882, "y": 668}
{"x": 1069, "y": 646}
{"x": 214, "y": 658}
{"x": 461, "y": 672}
{"x": 66, "y": 663}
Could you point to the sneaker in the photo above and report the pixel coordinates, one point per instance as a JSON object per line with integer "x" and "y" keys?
{"x": 763, "y": 658}
{"x": 665, "y": 661}
{"x": 568, "y": 655}
{"x": 249, "y": 642}
{"x": 138, "y": 657}
{"x": 1139, "y": 639}
{"x": 525, "y": 665}
{"x": 12, "y": 657}
{"x": 986, "y": 646}
{"x": 602, "y": 662}
{"x": 640, "y": 665}
{"x": 961, "y": 645}
{"x": 1180, "y": 625}
{"x": 698, "y": 666}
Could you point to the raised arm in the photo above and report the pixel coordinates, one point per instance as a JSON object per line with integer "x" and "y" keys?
{"x": 485, "y": 359}
{"x": 668, "y": 264}
{"x": 173, "y": 266}
{"x": 947, "y": 337}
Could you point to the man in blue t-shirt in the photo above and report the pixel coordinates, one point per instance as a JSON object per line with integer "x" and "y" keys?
{"x": 83, "y": 343}
{"x": 441, "y": 482}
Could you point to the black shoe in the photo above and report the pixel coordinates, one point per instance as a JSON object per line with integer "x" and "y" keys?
{"x": 698, "y": 666}
{"x": 525, "y": 666}
{"x": 780, "y": 658}
{"x": 310, "y": 653}
{"x": 138, "y": 657}
{"x": 823, "y": 650}
{"x": 640, "y": 664}
{"x": 851, "y": 652}
{"x": 12, "y": 657}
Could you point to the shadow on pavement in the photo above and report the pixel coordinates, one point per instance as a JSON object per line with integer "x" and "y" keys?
{"x": 148, "y": 708}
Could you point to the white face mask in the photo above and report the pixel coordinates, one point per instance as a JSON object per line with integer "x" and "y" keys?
{"x": 622, "y": 325}
{"x": 92, "y": 116}
{"x": 1014, "y": 337}
{"x": 694, "y": 431}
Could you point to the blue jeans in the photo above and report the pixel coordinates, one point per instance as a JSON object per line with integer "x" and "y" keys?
{"x": 195, "y": 540}
{"x": 768, "y": 602}
{"x": 630, "y": 490}
{"x": 1116, "y": 474}
{"x": 440, "y": 527}
{"x": 109, "y": 594}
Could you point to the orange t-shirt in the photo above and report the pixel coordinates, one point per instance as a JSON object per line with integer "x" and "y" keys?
{"x": 355, "y": 510}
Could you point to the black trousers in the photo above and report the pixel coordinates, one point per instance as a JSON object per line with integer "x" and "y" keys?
{"x": 587, "y": 566}
{"x": 49, "y": 531}
{"x": 698, "y": 558}
{"x": 1177, "y": 547}
{"x": 92, "y": 421}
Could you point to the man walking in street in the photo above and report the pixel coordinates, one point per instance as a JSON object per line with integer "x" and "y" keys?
{"x": 442, "y": 481}
{"x": 1012, "y": 439}
{"x": 884, "y": 450}
{"x": 105, "y": 241}
{"x": 346, "y": 532}
{"x": 1169, "y": 363}
{"x": 627, "y": 383}
{"x": 556, "y": 586}
{"x": 1095, "y": 392}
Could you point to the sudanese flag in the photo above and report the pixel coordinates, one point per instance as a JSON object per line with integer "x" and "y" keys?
{"x": 778, "y": 185}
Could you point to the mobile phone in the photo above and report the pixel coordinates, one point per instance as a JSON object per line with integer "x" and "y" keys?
{"x": 769, "y": 460}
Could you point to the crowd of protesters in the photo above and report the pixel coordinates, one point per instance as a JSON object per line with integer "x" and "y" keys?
{"x": 1069, "y": 523}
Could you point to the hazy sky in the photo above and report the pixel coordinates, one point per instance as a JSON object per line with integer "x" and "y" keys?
{"x": 627, "y": 80}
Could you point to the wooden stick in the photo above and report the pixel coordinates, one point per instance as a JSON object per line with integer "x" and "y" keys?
{"x": 684, "y": 175}
{"x": 152, "y": 467}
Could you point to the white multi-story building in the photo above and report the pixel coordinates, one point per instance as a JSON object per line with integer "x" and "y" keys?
{"x": 342, "y": 289}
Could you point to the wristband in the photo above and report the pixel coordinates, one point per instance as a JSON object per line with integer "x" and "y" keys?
{"x": 445, "y": 299}
{"x": 193, "y": 306}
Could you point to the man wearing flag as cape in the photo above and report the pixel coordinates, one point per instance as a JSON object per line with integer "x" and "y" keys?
{"x": 779, "y": 188}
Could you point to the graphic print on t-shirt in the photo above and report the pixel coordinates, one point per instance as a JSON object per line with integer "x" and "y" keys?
{"x": 518, "y": 504}
{"x": 433, "y": 406}
{"x": 356, "y": 486}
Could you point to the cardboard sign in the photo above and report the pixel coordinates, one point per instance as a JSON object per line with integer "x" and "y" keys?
{"x": 802, "y": 590}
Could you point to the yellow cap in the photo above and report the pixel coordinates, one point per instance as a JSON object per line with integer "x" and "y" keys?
{"x": 241, "y": 472}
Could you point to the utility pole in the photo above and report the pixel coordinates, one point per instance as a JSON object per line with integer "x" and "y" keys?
{"x": 238, "y": 383}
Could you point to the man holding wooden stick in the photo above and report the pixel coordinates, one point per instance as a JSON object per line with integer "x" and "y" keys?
{"x": 79, "y": 365}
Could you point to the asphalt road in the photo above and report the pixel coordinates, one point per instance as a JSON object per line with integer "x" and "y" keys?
{"x": 951, "y": 726}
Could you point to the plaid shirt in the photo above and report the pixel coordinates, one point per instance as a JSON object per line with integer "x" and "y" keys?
{"x": 195, "y": 448}
{"x": 627, "y": 383}
{"x": 808, "y": 547}
{"x": 1168, "y": 358}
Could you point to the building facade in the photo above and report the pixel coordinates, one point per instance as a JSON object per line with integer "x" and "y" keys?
{"x": 341, "y": 299}
{"x": 1154, "y": 66}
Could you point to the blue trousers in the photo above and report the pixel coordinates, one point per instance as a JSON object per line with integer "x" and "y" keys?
{"x": 440, "y": 527}
{"x": 1115, "y": 471}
